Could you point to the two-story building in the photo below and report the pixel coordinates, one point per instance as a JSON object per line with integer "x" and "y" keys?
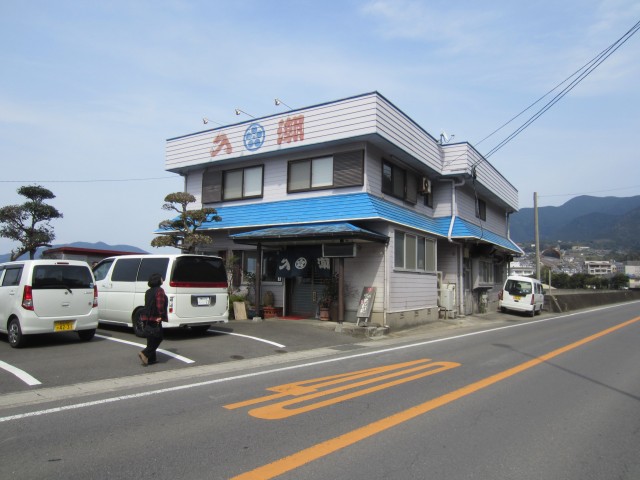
{"x": 352, "y": 189}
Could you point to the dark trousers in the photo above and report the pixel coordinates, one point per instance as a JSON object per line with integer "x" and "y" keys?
{"x": 153, "y": 342}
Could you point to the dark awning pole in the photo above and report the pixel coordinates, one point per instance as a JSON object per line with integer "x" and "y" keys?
{"x": 340, "y": 290}
{"x": 259, "y": 279}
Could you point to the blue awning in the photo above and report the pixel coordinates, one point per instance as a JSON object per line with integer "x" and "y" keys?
{"x": 315, "y": 232}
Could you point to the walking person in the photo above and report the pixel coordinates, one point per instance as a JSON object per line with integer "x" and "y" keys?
{"x": 155, "y": 312}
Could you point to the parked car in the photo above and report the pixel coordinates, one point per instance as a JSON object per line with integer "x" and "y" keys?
{"x": 43, "y": 296}
{"x": 521, "y": 294}
{"x": 196, "y": 286}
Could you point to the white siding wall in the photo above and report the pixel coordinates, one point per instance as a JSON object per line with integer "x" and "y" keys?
{"x": 448, "y": 257}
{"x": 466, "y": 201}
{"x": 409, "y": 290}
{"x": 442, "y": 198}
{"x": 373, "y": 175}
{"x": 365, "y": 270}
{"x": 275, "y": 177}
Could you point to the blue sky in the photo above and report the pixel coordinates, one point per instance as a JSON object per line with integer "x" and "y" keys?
{"x": 90, "y": 91}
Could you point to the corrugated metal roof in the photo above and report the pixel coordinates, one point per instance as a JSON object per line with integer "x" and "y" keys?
{"x": 346, "y": 208}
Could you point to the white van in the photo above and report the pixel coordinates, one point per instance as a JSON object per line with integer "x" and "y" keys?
{"x": 44, "y": 296}
{"x": 521, "y": 294}
{"x": 196, "y": 286}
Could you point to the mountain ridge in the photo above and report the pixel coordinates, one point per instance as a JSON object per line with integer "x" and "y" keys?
{"x": 607, "y": 222}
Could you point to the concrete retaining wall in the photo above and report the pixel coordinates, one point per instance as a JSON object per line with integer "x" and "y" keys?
{"x": 565, "y": 301}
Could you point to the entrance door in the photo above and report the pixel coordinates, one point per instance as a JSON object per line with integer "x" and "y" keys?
{"x": 301, "y": 297}
{"x": 304, "y": 292}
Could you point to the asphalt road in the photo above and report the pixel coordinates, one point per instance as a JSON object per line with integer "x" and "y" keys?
{"x": 550, "y": 397}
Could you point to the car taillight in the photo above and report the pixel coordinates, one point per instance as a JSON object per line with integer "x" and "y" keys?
{"x": 170, "y": 308}
{"x": 27, "y": 298}
{"x": 500, "y": 294}
{"x": 95, "y": 296}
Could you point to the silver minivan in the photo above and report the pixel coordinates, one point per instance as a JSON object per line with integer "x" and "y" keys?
{"x": 196, "y": 287}
{"x": 521, "y": 294}
{"x": 43, "y": 296}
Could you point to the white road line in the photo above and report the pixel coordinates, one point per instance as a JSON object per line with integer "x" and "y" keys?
{"x": 248, "y": 336}
{"x": 21, "y": 374}
{"x": 140, "y": 345}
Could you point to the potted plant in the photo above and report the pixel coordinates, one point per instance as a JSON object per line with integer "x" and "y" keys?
{"x": 329, "y": 297}
{"x": 268, "y": 308}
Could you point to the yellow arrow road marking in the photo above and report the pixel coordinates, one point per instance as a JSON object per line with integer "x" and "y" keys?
{"x": 316, "y": 388}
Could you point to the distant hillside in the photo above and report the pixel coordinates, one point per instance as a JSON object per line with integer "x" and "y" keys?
{"x": 99, "y": 246}
{"x": 601, "y": 221}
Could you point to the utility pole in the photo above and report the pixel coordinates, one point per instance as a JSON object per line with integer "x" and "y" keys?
{"x": 537, "y": 233}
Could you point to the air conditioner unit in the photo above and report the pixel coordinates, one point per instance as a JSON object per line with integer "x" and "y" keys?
{"x": 425, "y": 186}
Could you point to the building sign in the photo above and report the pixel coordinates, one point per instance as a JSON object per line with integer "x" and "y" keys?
{"x": 289, "y": 130}
{"x": 366, "y": 304}
{"x": 219, "y": 143}
{"x": 254, "y": 137}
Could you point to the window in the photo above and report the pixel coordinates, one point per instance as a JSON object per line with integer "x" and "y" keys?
{"x": 61, "y": 277}
{"x": 152, "y": 265}
{"x": 481, "y": 209}
{"x": 242, "y": 183}
{"x": 344, "y": 169}
{"x": 485, "y": 273}
{"x": 414, "y": 252}
{"x": 269, "y": 266}
{"x": 12, "y": 276}
{"x": 219, "y": 185}
{"x": 126, "y": 270}
{"x": 399, "y": 183}
{"x": 309, "y": 174}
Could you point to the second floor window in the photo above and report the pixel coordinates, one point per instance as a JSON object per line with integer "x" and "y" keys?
{"x": 344, "y": 169}
{"x": 242, "y": 183}
{"x": 311, "y": 173}
{"x": 399, "y": 183}
{"x": 481, "y": 209}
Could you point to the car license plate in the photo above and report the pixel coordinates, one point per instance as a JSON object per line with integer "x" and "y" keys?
{"x": 204, "y": 301}
{"x": 517, "y": 298}
{"x": 63, "y": 325}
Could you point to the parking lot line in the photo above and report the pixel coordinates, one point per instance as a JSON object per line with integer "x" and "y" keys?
{"x": 21, "y": 374}
{"x": 140, "y": 345}
{"x": 248, "y": 336}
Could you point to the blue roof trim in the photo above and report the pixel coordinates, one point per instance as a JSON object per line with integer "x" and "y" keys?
{"x": 345, "y": 208}
{"x": 464, "y": 230}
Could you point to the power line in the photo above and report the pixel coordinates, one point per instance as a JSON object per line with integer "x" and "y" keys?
{"x": 585, "y": 72}
{"x": 91, "y": 181}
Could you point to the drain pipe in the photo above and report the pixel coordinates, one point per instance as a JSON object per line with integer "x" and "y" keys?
{"x": 454, "y": 207}
{"x": 454, "y": 211}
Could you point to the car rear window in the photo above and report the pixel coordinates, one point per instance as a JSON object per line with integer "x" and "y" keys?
{"x": 199, "y": 272}
{"x": 518, "y": 287}
{"x": 62, "y": 276}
